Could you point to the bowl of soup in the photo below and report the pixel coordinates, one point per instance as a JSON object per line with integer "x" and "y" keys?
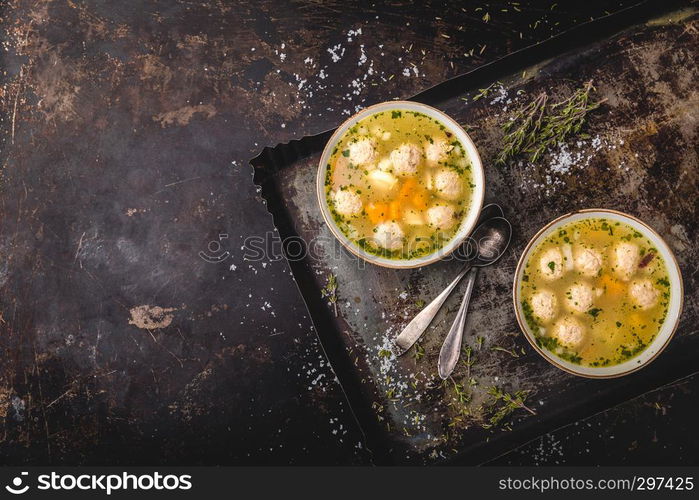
{"x": 598, "y": 293}
{"x": 400, "y": 184}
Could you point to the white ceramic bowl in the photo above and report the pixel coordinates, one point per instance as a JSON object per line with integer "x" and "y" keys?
{"x": 468, "y": 223}
{"x": 673, "y": 314}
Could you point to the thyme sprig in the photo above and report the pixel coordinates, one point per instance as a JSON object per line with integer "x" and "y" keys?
{"x": 467, "y": 360}
{"x": 511, "y": 352}
{"x": 460, "y": 391}
{"x": 483, "y": 93}
{"x": 504, "y": 404}
{"x": 528, "y": 121}
{"x": 419, "y": 351}
{"x": 329, "y": 291}
{"x": 539, "y": 125}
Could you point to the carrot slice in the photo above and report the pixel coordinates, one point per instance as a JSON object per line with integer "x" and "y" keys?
{"x": 394, "y": 210}
{"x": 611, "y": 285}
{"x": 407, "y": 188}
{"x": 419, "y": 200}
{"x": 377, "y": 212}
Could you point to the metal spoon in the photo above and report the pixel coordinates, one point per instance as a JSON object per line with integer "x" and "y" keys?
{"x": 412, "y": 332}
{"x": 491, "y": 242}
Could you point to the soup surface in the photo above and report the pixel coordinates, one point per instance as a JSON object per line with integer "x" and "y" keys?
{"x": 399, "y": 184}
{"x": 595, "y": 292}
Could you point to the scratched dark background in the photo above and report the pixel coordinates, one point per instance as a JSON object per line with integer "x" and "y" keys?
{"x": 125, "y": 134}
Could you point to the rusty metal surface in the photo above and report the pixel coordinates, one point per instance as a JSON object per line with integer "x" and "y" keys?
{"x": 640, "y": 158}
{"x": 642, "y": 431}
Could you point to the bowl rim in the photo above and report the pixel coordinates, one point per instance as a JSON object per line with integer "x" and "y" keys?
{"x": 476, "y": 203}
{"x": 552, "y": 358}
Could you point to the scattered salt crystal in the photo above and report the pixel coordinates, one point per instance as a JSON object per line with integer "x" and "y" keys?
{"x": 353, "y": 33}
{"x": 562, "y": 161}
{"x": 334, "y": 52}
{"x": 362, "y": 55}
{"x": 501, "y": 95}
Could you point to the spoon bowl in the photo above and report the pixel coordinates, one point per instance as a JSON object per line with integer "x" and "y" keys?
{"x": 491, "y": 240}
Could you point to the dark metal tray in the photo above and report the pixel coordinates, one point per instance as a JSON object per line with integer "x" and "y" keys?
{"x": 640, "y": 158}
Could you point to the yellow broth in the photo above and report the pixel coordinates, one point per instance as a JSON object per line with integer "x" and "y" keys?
{"x": 621, "y": 320}
{"x": 407, "y": 194}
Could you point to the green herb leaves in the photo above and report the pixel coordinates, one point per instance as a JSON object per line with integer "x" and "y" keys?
{"x": 329, "y": 291}
{"x": 540, "y": 125}
{"x": 594, "y": 312}
{"x": 504, "y": 404}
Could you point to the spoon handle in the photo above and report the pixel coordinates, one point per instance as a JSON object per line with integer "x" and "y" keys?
{"x": 451, "y": 349}
{"x": 422, "y": 320}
